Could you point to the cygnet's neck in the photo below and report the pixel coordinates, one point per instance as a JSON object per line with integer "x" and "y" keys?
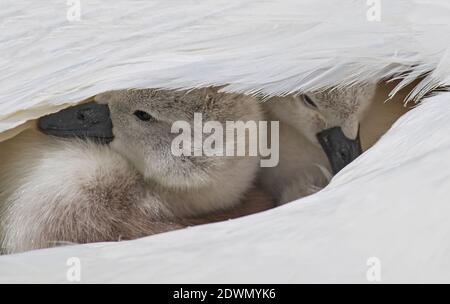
{"x": 221, "y": 191}
{"x": 300, "y": 161}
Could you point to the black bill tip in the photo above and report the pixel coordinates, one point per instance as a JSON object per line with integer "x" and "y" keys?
{"x": 85, "y": 121}
{"x": 339, "y": 149}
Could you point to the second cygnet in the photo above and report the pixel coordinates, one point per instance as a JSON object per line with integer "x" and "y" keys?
{"x": 319, "y": 135}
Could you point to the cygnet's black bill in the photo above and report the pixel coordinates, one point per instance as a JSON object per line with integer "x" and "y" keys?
{"x": 85, "y": 121}
{"x": 339, "y": 149}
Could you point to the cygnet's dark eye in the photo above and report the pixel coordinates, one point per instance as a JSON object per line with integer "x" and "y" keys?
{"x": 144, "y": 116}
{"x": 309, "y": 102}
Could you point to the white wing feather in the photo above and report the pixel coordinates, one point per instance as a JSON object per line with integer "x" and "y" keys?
{"x": 271, "y": 47}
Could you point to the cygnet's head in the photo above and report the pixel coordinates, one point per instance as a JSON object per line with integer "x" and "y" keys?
{"x": 329, "y": 119}
{"x": 137, "y": 124}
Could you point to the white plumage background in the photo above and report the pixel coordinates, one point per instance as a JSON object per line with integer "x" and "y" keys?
{"x": 391, "y": 203}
